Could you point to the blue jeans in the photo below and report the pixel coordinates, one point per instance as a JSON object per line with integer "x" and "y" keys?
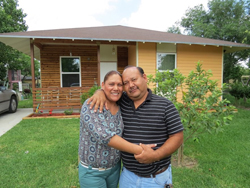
{"x": 90, "y": 178}
{"x": 130, "y": 180}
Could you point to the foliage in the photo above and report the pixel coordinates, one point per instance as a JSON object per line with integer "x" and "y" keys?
{"x": 241, "y": 103}
{"x": 68, "y": 111}
{"x": 3, "y": 71}
{"x": 174, "y": 29}
{"x": 12, "y": 20}
{"x": 239, "y": 91}
{"x": 23, "y": 63}
{"x": 224, "y": 20}
{"x": 200, "y": 105}
{"x": 90, "y": 92}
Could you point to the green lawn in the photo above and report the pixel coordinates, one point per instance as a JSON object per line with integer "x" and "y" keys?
{"x": 26, "y": 103}
{"x": 43, "y": 153}
{"x": 223, "y": 159}
{"x": 40, "y": 153}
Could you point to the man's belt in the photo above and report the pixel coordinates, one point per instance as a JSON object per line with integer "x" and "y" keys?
{"x": 154, "y": 174}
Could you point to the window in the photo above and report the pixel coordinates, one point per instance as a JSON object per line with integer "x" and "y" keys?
{"x": 70, "y": 71}
{"x": 166, "y": 61}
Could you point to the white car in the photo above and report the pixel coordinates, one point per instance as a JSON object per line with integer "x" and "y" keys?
{"x": 8, "y": 100}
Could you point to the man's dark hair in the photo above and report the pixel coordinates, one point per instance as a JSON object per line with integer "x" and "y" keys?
{"x": 141, "y": 71}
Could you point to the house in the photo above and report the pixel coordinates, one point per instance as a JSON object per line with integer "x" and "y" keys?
{"x": 72, "y": 60}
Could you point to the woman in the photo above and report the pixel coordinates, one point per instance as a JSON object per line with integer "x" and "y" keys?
{"x": 100, "y": 133}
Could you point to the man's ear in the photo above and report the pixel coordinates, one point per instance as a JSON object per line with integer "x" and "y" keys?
{"x": 102, "y": 85}
{"x": 145, "y": 77}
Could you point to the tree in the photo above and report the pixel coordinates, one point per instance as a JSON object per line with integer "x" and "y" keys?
{"x": 11, "y": 20}
{"x": 200, "y": 106}
{"x": 227, "y": 20}
{"x": 174, "y": 29}
{"x": 23, "y": 63}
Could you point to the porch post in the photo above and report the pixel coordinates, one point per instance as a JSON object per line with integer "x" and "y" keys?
{"x": 32, "y": 64}
{"x": 32, "y": 71}
{"x": 98, "y": 65}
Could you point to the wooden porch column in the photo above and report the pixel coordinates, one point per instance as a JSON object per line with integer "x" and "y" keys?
{"x": 32, "y": 64}
{"x": 32, "y": 70}
{"x": 98, "y": 65}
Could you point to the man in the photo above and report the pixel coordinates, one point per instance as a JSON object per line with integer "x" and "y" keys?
{"x": 147, "y": 119}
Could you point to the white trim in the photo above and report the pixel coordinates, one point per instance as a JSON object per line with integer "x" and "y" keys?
{"x": 136, "y": 49}
{"x": 80, "y": 79}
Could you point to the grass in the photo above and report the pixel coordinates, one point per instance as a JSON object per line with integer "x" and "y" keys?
{"x": 43, "y": 153}
{"x": 223, "y": 159}
{"x": 40, "y": 153}
{"x": 26, "y": 103}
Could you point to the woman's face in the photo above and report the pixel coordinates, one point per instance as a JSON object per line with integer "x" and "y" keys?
{"x": 113, "y": 87}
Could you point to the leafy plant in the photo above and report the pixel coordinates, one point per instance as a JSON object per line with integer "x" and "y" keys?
{"x": 68, "y": 111}
{"x": 90, "y": 92}
{"x": 197, "y": 98}
{"x": 240, "y": 90}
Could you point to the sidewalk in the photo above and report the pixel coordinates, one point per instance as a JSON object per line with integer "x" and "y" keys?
{"x": 9, "y": 120}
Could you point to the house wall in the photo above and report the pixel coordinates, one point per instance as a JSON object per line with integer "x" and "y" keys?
{"x": 106, "y": 53}
{"x": 147, "y": 57}
{"x": 50, "y": 63}
{"x": 166, "y": 48}
{"x": 211, "y": 58}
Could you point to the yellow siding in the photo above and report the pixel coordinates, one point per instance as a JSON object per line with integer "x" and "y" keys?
{"x": 132, "y": 55}
{"x": 147, "y": 57}
{"x": 209, "y": 56}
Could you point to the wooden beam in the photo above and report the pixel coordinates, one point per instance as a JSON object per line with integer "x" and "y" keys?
{"x": 38, "y": 45}
{"x": 98, "y": 66}
{"x": 32, "y": 66}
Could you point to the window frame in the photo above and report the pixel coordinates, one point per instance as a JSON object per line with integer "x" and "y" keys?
{"x": 79, "y": 73}
{"x": 157, "y": 55}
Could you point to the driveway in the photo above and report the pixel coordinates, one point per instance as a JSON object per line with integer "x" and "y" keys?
{"x": 9, "y": 120}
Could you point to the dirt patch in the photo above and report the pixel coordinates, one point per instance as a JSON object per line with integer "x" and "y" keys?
{"x": 53, "y": 114}
{"x": 188, "y": 162}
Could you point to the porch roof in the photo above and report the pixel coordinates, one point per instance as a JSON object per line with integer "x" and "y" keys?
{"x": 21, "y": 40}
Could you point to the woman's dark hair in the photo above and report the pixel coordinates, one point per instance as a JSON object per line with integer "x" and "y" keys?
{"x": 141, "y": 71}
{"x": 110, "y": 73}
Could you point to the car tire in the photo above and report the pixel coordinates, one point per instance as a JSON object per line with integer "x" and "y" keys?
{"x": 13, "y": 104}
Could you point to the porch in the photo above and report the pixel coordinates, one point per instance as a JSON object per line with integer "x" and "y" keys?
{"x": 57, "y": 98}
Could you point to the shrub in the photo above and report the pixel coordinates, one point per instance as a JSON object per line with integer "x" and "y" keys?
{"x": 68, "y": 111}
{"x": 200, "y": 102}
{"x": 90, "y": 92}
{"x": 239, "y": 91}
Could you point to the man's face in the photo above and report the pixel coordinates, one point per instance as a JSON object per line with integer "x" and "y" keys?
{"x": 135, "y": 84}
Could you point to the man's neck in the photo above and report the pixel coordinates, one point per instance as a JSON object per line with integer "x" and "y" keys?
{"x": 137, "y": 103}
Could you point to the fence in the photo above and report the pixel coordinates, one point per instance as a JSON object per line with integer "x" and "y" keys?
{"x": 58, "y": 98}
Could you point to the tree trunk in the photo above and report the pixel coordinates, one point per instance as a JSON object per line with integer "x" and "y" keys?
{"x": 180, "y": 155}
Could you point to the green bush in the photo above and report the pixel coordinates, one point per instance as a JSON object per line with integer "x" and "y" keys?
{"x": 200, "y": 105}
{"x": 68, "y": 111}
{"x": 90, "y": 92}
{"x": 239, "y": 91}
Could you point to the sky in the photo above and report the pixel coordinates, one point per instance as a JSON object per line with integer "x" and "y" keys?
{"x": 146, "y": 14}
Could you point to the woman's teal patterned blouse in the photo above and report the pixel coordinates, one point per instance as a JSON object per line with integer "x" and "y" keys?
{"x": 96, "y": 130}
